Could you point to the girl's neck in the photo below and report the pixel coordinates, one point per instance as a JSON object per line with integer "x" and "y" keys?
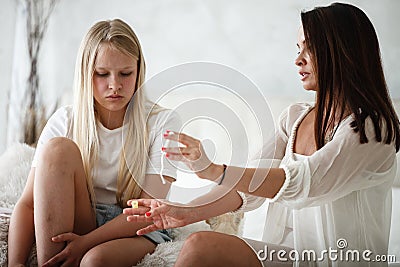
{"x": 111, "y": 120}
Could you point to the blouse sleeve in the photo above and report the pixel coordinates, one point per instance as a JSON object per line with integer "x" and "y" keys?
{"x": 275, "y": 146}
{"x": 56, "y": 126}
{"x": 340, "y": 167}
{"x": 269, "y": 156}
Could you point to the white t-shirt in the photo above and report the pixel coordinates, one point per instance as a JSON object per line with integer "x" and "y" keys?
{"x": 342, "y": 191}
{"x": 105, "y": 172}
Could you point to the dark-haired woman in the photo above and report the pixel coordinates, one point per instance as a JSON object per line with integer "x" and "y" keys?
{"x": 331, "y": 192}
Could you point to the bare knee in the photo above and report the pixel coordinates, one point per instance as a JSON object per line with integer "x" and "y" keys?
{"x": 195, "y": 247}
{"x": 95, "y": 258}
{"x": 197, "y": 239}
{"x": 59, "y": 148}
{"x": 59, "y": 157}
{"x": 215, "y": 249}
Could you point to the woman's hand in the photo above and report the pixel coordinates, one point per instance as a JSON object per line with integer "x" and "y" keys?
{"x": 193, "y": 155}
{"x": 72, "y": 254}
{"x": 163, "y": 216}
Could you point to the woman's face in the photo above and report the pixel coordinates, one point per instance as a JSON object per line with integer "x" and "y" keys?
{"x": 114, "y": 81}
{"x": 304, "y": 61}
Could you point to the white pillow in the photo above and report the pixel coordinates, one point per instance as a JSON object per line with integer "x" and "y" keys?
{"x": 15, "y": 164}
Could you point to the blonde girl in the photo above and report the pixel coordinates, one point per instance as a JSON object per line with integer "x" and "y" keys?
{"x": 89, "y": 161}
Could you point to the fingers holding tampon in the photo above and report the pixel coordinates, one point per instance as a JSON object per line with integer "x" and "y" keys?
{"x": 180, "y": 137}
{"x": 134, "y": 204}
{"x": 167, "y": 140}
{"x": 167, "y": 136}
{"x": 166, "y": 144}
{"x": 145, "y": 202}
{"x": 140, "y": 211}
{"x": 138, "y": 207}
{"x": 141, "y": 214}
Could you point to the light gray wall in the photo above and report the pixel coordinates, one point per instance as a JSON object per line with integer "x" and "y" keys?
{"x": 7, "y": 28}
{"x": 255, "y": 37}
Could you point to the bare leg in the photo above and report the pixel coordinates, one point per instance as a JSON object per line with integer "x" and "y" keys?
{"x": 118, "y": 252}
{"x": 61, "y": 198}
{"x": 216, "y": 249}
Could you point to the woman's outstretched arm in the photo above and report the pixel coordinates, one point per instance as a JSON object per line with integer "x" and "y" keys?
{"x": 263, "y": 182}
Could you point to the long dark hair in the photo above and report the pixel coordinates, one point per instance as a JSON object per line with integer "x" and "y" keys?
{"x": 346, "y": 55}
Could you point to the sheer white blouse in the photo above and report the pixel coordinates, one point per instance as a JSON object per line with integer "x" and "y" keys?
{"x": 338, "y": 198}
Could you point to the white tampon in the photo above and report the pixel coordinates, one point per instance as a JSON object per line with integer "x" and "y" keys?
{"x": 134, "y": 204}
{"x": 162, "y": 158}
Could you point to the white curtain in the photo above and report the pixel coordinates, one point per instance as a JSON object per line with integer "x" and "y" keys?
{"x": 20, "y": 72}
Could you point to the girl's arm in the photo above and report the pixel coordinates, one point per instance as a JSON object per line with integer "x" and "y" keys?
{"x": 117, "y": 228}
{"x": 21, "y": 231}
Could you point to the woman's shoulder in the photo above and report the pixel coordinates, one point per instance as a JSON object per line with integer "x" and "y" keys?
{"x": 299, "y": 108}
{"x": 293, "y": 112}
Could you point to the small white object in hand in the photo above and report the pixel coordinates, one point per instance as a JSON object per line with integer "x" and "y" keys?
{"x": 162, "y": 158}
{"x": 135, "y": 204}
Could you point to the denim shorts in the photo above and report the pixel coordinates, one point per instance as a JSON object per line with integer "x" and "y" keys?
{"x": 107, "y": 212}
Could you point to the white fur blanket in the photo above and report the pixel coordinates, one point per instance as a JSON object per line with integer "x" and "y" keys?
{"x": 14, "y": 168}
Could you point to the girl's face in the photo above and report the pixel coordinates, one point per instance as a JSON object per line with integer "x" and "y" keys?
{"x": 304, "y": 61}
{"x": 114, "y": 82}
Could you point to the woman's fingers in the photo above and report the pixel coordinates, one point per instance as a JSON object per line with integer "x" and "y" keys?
{"x": 177, "y": 157}
{"x": 188, "y": 159}
{"x": 141, "y": 210}
{"x": 190, "y": 152}
{"x": 193, "y": 147}
{"x": 181, "y": 138}
{"x": 146, "y": 230}
{"x": 141, "y": 202}
{"x": 136, "y": 211}
{"x": 161, "y": 210}
{"x": 138, "y": 218}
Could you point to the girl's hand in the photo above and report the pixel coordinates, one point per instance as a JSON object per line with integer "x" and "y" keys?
{"x": 193, "y": 155}
{"x": 163, "y": 216}
{"x": 72, "y": 254}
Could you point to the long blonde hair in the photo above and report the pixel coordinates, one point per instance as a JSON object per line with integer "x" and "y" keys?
{"x": 120, "y": 36}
